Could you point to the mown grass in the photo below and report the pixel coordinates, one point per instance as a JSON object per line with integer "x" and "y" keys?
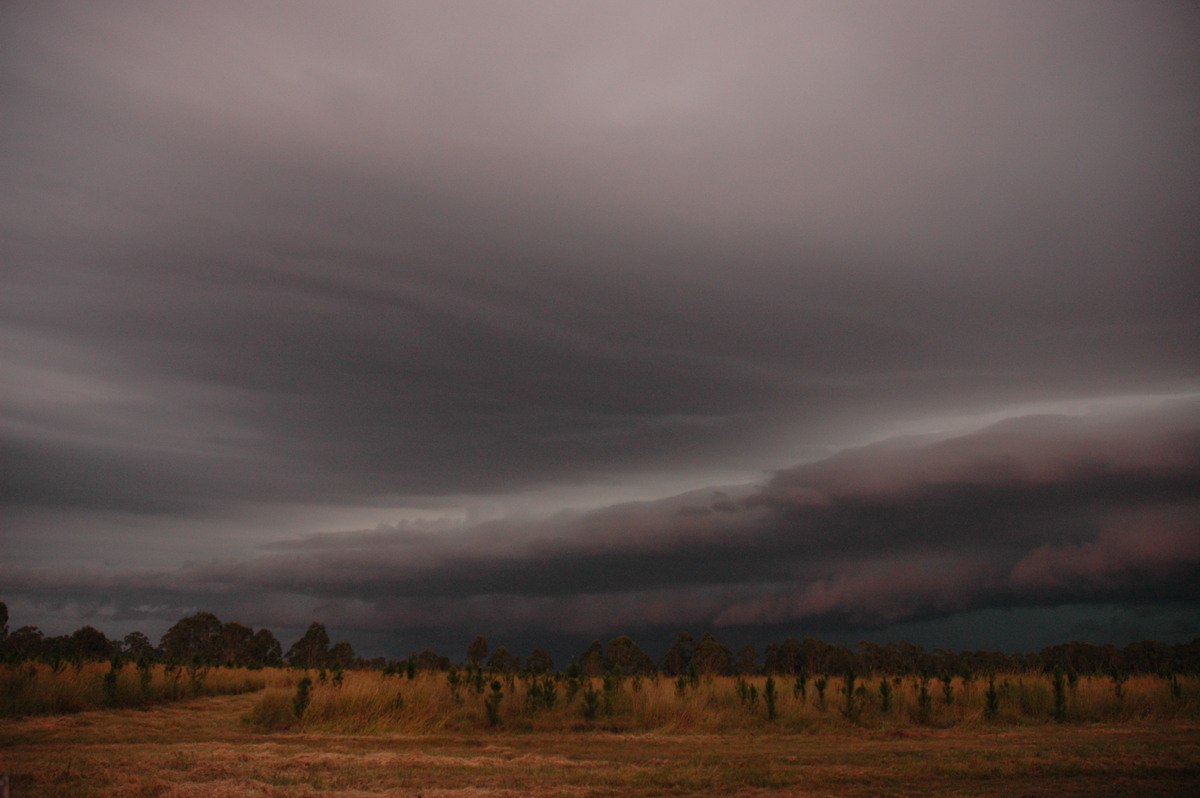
{"x": 369, "y": 734}
{"x": 200, "y": 747}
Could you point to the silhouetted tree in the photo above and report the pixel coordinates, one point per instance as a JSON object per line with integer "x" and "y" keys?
{"x": 1108, "y": 657}
{"x": 265, "y": 649}
{"x": 196, "y": 636}
{"x": 89, "y": 643}
{"x": 747, "y": 661}
{"x": 988, "y": 662}
{"x": 905, "y": 658}
{"x": 539, "y": 662}
{"x": 712, "y": 658}
{"x": 138, "y": 647}
{"x": 815, "y": 655}
{"x": 57, "y": 648}
{"x": 592, "y": 659}
{"x": 790, "y": 661}
{"x": 311, "y": 650}
{"x": 771, "y": 658}
{"x": 26, "y": 642}
{"x": 502, "y": 661}
{"x": 342, "y": 655}
{"x": 945, "y": 661}
{"x": 428, "y": 660}
{"x": 678, "y": 658}
{"x": 1147, "y": 656}
{"x": 625, "y": 656}
{"x": 3, "y": 620}
{"x": 869, "y": 657}
{"x": 1185, "y": 657}
{"x": 477, "y": 651}
{"x": 236, "y": 642}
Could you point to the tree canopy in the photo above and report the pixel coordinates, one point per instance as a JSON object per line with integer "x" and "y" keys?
{"x": 202, "y": 637}
{"x": 311, "y": 650}
{"x": 196, "y": 636}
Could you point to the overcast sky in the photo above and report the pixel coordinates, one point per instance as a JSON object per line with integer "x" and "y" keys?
{"x": 551, "y": 321}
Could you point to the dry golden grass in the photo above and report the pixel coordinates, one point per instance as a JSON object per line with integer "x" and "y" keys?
{"x": 377, "y": 735}
{"x": 201, "y": 747}
{"x": 36, "y": 688}
{"x": 371, "y": 703}
{"x": 367, "y": 702}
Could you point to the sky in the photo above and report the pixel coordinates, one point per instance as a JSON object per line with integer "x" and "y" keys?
{"x": 560, "y": 321}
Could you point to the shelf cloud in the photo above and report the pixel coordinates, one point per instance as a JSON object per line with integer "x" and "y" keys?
{"x": 1032, "y": 511}
{"x": 597, "y": 316}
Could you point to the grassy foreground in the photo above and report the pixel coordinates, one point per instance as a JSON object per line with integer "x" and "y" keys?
{"x": 205, "y": 747}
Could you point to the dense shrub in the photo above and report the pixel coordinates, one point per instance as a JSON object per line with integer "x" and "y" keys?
{"x": 272, "y": 712}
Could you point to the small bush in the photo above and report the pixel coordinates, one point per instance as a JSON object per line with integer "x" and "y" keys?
{"x": 300, "y": 702}
{"x": 992, "y": 698}
{"x": 145, "y": 675}
{"x": 924, "y": 704}
{"x": 1059, "y": 683}
{"x": 110, "y": 685}
{"x": 1119, "y": 677}
{"x": 591, "y": 702}
{"x": 821, "y": 683}
{"x": 491, "y": 704}
{"x": 800, "y": 688}
{"x": 853, "y": 707}
{"x": 272, "y": 712}
{"x": 542, "y": 694}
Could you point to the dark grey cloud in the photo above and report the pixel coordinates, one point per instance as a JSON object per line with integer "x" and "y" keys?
{"x": 1034, "y": 512}
{"x": 263, "y": 260}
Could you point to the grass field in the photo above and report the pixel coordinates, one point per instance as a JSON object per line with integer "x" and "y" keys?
{"x": 705, "y": 742}
{"x": 201, "y": 747}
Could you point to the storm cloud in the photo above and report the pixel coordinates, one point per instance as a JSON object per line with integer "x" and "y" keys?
{"x": 1035, "y": 511}
{"x": 490, "y": 281}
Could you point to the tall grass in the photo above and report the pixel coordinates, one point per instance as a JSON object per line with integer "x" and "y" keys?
{"x": 435, "y": 702}
{"x": 31, "y": 688}
{"x": 370, "y": 702}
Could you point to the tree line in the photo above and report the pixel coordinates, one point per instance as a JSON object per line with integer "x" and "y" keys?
{"x": 203, "y": 638}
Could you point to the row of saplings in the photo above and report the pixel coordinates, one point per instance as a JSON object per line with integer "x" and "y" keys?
{"x": 849, "y": 698}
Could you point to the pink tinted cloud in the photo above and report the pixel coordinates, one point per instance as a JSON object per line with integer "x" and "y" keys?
{"x": 814, "y": 543}
{"x": 871, "y": 592}
{"x": 1133, "y": 546}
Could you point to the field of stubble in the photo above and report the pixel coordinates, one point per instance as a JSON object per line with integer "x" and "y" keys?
{"x": 204, "y": 747}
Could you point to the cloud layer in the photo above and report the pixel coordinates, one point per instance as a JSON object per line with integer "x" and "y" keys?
{"x": 270, "y": 271}
{"x": 1036, "y": 511}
